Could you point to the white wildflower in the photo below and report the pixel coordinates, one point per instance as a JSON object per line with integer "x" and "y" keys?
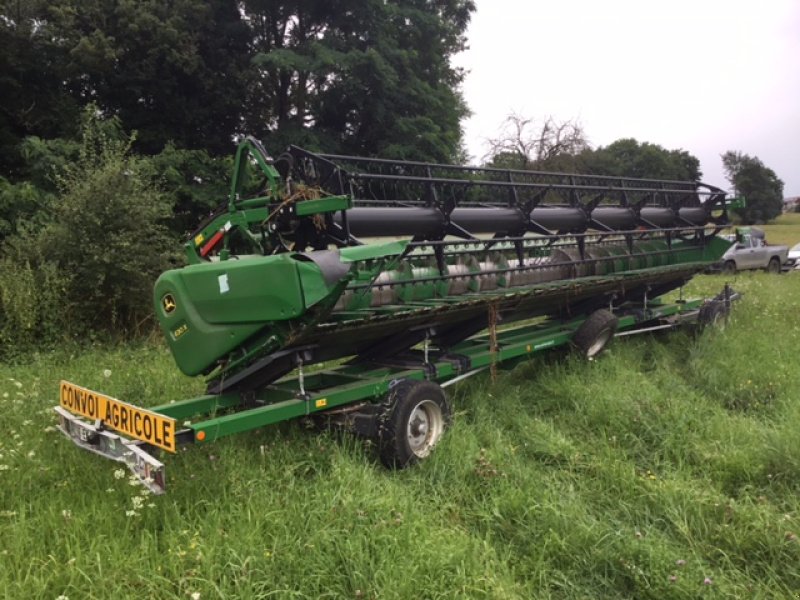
{"x": 107, "y": 373}
{"x": 4, "y": 467}
{"x": 18, "y": 384}
{"x": 66, "y": 513}
{"x": 137, "y": 502}
{"x": 195, "y": 596}
{"x": 32, "y": 453}
{"x": 131, "y": 513}
{"x": 62, "y": 597}
{"x": 119, "y": 473}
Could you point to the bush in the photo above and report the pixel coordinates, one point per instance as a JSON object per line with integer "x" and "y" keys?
{"x": 32, "y": 306}
{"x": 91, "y": 263}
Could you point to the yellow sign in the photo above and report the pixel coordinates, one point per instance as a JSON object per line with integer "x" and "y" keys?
{"x": 133, "y": 421}
{"x": 168, "y": 302}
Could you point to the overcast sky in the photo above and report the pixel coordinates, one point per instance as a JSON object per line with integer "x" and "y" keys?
{"x": 702, "y": 75}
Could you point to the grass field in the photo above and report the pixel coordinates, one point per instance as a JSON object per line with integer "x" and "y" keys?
{"x": 785, "y": 230}
{"x": 668, "y": 468}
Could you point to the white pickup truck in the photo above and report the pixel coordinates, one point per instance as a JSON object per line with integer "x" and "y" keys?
{"x": 751, "y": 251}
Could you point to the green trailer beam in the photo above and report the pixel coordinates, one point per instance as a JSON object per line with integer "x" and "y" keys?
{"x": 295, "y": 397}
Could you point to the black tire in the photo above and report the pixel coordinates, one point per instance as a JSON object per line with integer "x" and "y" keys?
{"x": 729, "y": 268}
{"x": 415, "y": 416}
{"x": 595, "y": 333}
{"x": 774, "y": 266}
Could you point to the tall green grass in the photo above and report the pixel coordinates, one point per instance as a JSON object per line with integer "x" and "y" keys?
{"x": 668, "y": 468}
{"x": 784, "y": 230}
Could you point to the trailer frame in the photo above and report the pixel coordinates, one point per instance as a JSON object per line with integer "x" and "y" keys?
{"x": 352, "y": 395}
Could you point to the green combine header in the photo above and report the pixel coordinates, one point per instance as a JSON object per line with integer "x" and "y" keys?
{"x": 410, "y": 276}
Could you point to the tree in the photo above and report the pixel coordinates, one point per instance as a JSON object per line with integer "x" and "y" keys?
{"x": 759, "y": 184}
{"x": 94, "y": 254}
{"x": 630, "y": 158}
{"x": 524, "y": 144}
{"x": 359, "y": 76}
{"x": 173, "y": 71}
{"x": 35, "y": 100}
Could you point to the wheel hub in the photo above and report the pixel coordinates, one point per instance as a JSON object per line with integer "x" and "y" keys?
{"x": 419, "y": 427}
{"x": 425, "y": 426}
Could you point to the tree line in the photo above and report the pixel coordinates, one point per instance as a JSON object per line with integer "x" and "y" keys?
{"x": 553, "y": 145}
{"x": 189, "y": 76}
{"x": 350, "y": 76}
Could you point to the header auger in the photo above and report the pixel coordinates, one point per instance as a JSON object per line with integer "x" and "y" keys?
{"x": 410, "y": 275}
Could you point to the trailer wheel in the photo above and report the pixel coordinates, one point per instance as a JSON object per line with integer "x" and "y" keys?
{"x": 729, "y": 268}
{"x": 712, "y": 314}
{"x": 774, "y": 265}
{"x": 415, "y": 415}
{"x": 595, "y": 333}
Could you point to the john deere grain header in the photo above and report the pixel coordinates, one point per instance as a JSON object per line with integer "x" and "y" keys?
{"x": 407, "y": 277}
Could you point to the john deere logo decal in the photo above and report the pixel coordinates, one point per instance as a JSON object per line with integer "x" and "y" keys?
{"x": 168, "y": 302}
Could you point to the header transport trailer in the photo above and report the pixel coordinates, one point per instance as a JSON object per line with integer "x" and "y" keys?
{"x": 408, "y": 277}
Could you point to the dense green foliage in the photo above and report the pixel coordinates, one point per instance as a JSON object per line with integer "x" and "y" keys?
{"x": 563, "y": 147}
{"x": 759, "y": 185}
{"x": 666, "y": 469}
{"x": 359, "y": 75}
{"x": 641, "y": 159}
{"x": 87, "y": 258}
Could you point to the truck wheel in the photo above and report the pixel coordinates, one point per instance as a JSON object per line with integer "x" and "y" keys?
{"x": 595, "y": 333}
{"x": 774, "y": 265}
{"x": 729, "y": 268}
{"x": 415, "y": 415}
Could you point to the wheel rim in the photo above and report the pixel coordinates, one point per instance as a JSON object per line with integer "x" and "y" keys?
{"x": 773, "y": 266}
{"x": 598, "y": 345}
{"x": 425, "y": 427}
